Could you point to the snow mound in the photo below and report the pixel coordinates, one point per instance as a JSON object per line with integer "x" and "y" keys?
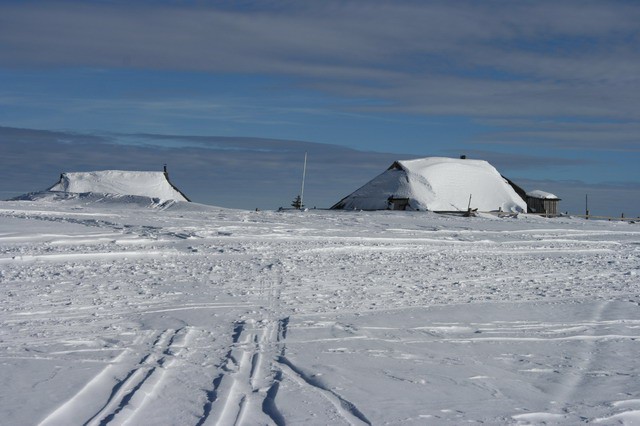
{"x": 437, "y": 184}
{"x": 108, "y": 202}
{"x": 118, "y": 182}
{"x": 542, "y": 195}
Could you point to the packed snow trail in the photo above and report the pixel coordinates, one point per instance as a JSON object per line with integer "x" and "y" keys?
{"x": 117, "y": 313}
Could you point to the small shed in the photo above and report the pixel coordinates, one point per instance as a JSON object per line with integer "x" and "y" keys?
{"x": 542, "y": 202}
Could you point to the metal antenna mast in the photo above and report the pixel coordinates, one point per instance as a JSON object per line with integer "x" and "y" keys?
{"x": 304, "y": 174}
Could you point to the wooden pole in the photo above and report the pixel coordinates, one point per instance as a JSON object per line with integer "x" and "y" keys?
{"x": 468, "y": 213}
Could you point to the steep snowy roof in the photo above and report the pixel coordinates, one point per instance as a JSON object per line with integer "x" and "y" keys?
{"x": 542, "y": 195}
{"x": 437, "y": 184}
{"x": 146, "y": 184}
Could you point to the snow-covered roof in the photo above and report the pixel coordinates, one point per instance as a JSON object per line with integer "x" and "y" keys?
{"x": 146, "y": 184}
{"x": 438, "y": 184}
{"x": 542, "y": 195}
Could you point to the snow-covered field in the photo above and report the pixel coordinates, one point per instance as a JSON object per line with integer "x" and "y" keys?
{"x": 116, "y": 311}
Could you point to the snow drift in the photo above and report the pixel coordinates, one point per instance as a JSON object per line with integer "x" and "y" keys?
{"x": 118, "y": 182}
{"x": 543, "y": 195}
{"x": 437, "y": 184}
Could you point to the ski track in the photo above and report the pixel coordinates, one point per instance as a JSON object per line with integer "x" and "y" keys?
{"x": 347, "y": 410}
{"x": 131, "y": 389}
{"x": 244, "y": 391}
{"x": 571, "y": 383}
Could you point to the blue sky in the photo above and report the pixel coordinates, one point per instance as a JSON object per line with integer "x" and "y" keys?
{"x": 546, "y": 91}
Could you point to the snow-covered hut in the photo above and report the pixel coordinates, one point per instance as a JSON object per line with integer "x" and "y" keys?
{"x": 119, "y": 182}
{"x": 436, "y": 184}
{"x": 542, "y": 202}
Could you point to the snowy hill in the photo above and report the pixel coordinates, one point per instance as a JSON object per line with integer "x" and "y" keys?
{"x": 118, "y": 182}
{"x": 114, "y": 313}
{"x": 437, "y": 184}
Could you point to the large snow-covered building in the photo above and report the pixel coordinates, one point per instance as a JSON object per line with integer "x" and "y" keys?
{"x": 437, "y": 184}
{"x": 119, "y": 182}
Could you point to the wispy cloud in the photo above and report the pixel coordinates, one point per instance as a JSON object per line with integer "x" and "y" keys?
{"x": 494, "y": 58}
{"x": 594, "y": 135}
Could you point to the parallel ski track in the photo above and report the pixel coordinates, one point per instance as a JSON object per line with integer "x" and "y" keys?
{"x": 129, "y": 394}
{"x": 245, "y": 390}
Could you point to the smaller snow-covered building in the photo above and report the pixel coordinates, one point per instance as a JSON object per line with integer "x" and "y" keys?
{"x": 119, "y": 182}
{"x": 542, "y": 202}
{"x": 436, "y": 184}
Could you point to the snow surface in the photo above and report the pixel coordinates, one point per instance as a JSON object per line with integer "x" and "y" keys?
{"x": 118, "y": 182}
{"x": 541, "y": 194}
{"x": 438, "y": 184}
{"x": 116, "y": 311}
